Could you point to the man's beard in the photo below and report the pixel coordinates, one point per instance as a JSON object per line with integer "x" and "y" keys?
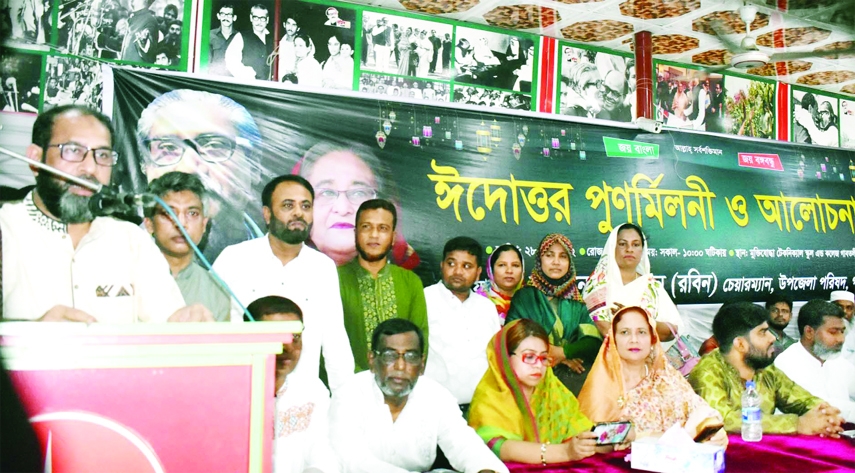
{"x": 777, "y": 326}
{"x": 825, "y": 352}
{"x": 385, "y": 389}
{"x": 65, "y": 206}
{"x": 281, "y": 231}
{"x": 372, "y": 258}
{"x": 757, "y": 359}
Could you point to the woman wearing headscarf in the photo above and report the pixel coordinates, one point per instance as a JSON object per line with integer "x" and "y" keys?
{"x": 632, "y": 380}
{"x": 520, "y": 409}
{"x": 552, "y": 299}
{"x": 308, "y": 69}
{"x": 623, "y": 275}
{"x": 505, "y": 270}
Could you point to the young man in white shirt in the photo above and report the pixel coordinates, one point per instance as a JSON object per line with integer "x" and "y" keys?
{"x": 814, "y": 363}
{"x": 391, "y": 419}
{"x": 301, "y": 428}
{"x": 281, "y": 264}
{"x": 461, "y": 321}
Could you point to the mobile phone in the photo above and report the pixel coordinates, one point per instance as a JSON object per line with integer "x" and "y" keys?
{"x": 610, "y": 433}
{"x": 707, "y": 432}
{"x": 848, "y": 434}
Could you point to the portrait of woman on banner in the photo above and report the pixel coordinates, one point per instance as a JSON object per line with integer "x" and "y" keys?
{"x": 345, "y": 176}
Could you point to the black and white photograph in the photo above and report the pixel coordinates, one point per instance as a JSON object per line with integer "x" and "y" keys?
{"x": 28, "y": 21}
{"x": 815, "y": 119}
{"x": 847, "y": 124}
{"x": 241, "y": 41}
{"x": 406, "y": 46}
{"x": 691, "y": 99}
{"x": 72, "y": 80}
{"x": 416, "y": 89}
{"x": 20, "y": 73}
{"x": 596, "y": 84}
{"x": 491, "y": 98}
{"x": 316, "y": 45}
{"x": 137, "y": 31}
{"x": 494, "y": 60}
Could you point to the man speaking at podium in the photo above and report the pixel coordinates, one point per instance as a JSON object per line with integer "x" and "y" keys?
{"x": 59, "y": 261}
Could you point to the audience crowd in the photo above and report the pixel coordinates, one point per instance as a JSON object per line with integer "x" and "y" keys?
{"x": 391, "y": 376}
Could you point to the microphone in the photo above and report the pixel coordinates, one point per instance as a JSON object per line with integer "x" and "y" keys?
{"x": 109, "y": 201}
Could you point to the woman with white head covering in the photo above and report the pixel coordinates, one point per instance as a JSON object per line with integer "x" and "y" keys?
{"x": 623, "y": 276}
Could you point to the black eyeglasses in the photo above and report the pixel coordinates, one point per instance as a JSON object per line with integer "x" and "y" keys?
{"x": 211, "y": 147}
{"x": 390, "y": 357}
{"x": 76, "y": 153}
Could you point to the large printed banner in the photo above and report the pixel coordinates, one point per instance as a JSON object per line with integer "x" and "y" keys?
{"x": 726, "y": 219}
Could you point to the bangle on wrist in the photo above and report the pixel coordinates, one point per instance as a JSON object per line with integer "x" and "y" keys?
{"x": 543, "y": 454}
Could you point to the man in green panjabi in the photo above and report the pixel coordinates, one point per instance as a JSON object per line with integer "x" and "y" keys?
{"x": 745, "y": 354}
{"x": 372, "y": 289}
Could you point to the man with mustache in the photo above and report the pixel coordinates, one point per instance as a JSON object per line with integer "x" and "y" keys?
{"x": 745, "y": 354}
{"x": 185, "y": 195}
{"x": 461, "y": 321}
{"x": 372, "y": 288}
{"x": 846, "y": 301}
{"x": 392, "y": 419}
{"x": 281, "y": 264}
{"x": 61, "y": 263}
{"x": 815, "y": 362}
{"x": 780, "y": 309}
{"x": 301, "y": 427}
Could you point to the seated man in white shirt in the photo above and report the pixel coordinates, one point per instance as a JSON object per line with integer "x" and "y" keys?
{"x": 846, "y": 301}
{"x": 391, "y": 419}
{"x": 461, "y": 322}
{"x": 281, "y": 264}
{"x": 60, "y": 262}
{"x": 814, "y": 363}
{"x": 301, "y": 428}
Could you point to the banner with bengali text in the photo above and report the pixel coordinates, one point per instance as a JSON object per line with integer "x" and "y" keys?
{"x": 727, "y": 219}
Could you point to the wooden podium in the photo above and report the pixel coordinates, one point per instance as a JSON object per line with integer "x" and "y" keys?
{"x": 177, "y": 397}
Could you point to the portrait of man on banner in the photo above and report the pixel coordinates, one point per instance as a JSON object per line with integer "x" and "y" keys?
{"x": 216, "y": 138}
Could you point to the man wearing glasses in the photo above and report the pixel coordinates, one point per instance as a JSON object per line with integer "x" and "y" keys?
{"x": 59, "y": 262}
{"x": 220, "y": 39}
{"x": 614, "y": 92}
{"x": 392, "y": 419}
{"x": 461, "y": 321}
{"x": 246, "y": 56}
{"x": 216, "y": 138}
{"x": 372, "y": 288}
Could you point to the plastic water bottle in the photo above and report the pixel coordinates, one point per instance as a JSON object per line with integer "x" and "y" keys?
{"x": 752, "y": 428}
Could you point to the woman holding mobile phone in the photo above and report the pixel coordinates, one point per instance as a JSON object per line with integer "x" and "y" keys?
{"x": 632, "y": 380}
{"x": 520, "y": 409}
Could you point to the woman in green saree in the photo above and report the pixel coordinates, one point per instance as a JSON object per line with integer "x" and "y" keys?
{"x": 520, "y": 409}
{"x": 552, "y": 299}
